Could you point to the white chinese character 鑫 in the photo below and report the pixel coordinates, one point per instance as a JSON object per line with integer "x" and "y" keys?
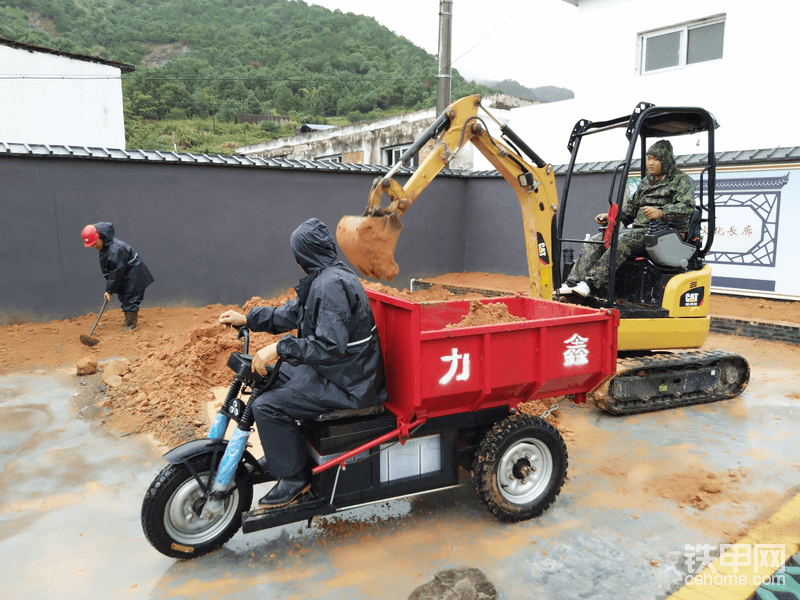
{"x": 576, "y": 353}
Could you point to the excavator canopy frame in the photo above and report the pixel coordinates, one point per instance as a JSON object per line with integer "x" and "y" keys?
{"x": 646, "y": 121}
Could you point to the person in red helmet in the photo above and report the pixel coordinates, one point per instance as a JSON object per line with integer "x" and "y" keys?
{"x": 126, "y": 274}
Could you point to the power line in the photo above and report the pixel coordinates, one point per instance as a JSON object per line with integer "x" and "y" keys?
{"x": 488, "y": 36}
{"x": 163, "y": 78}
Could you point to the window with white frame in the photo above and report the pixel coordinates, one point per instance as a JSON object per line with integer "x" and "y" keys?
{"x": 681, "y": 45}
{"x": 392, "y": 155}
{"x": 335, "y": 158}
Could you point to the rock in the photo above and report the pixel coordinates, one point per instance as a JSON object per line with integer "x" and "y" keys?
{"x": 456, "y": 584}
{"x": 118, "y": 367}
{"x": 112, "y": 380}
{"x": 87, "y": 365}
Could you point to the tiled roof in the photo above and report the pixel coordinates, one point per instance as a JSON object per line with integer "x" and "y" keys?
{"x": 765, "y": 156}
{"x": 61, "y": 151}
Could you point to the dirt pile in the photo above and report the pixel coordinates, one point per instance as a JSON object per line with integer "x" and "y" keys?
{"x": 509, "y": 284}
{"x": 479, "y": 314}
{"x": 164, "y": 391}
{"x": 436, "y": 293}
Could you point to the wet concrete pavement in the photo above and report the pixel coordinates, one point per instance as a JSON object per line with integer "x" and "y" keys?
{"x": 71, "y": 492}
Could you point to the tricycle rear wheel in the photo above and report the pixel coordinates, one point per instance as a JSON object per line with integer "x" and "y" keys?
{"x": 519, "y": 467}
{"x": 172, "y": 510}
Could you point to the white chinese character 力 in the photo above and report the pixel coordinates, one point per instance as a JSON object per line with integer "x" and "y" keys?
{"x": 454, "y": 359}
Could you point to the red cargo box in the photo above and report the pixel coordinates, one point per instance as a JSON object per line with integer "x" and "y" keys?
{"x": 431, "y": 371}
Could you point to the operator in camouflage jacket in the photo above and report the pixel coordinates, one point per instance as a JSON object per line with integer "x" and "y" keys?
{"x": 665, "y": 193}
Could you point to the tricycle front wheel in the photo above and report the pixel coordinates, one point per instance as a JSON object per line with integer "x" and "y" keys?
{"x": 172, "y": 512}
{"x": 520, "y": 467}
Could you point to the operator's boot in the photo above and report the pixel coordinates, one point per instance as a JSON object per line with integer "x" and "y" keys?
{"x": 131, "y": 319}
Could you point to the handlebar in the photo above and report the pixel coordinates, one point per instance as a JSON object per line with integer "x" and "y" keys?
{"x": 243, "y": 332}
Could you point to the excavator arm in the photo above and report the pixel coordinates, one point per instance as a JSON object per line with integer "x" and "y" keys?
{"x": 369, "y": 241}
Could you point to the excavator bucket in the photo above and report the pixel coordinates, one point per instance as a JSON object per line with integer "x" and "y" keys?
{"x": 368, "y": 243}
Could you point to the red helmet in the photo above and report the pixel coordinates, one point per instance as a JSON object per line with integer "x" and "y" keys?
{"x": 89, "y": 235}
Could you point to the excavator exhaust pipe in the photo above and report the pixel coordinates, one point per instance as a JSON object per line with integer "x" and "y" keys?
{"x": 368, "y": 242}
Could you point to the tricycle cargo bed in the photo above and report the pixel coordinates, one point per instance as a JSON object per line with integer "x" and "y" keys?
{"x": 559, "y": 349}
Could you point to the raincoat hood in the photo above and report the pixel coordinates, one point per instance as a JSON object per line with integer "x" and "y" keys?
{"x": 313, "y": 246}
{"x": 662, "y": 150}
{"x": 105, "y": 230}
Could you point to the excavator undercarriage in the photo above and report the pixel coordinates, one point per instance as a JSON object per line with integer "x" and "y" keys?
{"x": 658, "y": 381}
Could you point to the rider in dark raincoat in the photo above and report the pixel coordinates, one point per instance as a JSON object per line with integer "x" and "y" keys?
{"x": 125, "y": 272}
{"x": 341, "y": 366}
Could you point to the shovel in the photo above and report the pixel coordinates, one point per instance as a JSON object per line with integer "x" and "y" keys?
{"x": 88, "y": 340}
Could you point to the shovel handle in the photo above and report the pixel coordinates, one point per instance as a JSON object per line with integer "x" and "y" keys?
{"x": 100, "y": 314}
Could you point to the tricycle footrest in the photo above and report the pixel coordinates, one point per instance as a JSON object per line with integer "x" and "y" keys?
{"x": 304, "y": 508}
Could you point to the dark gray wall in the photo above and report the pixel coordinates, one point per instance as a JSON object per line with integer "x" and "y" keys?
{"x": 208, "y": 233}
{"x": 219, "y": 234}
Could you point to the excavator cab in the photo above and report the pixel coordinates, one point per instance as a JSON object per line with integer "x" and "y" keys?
{"x": 638, "y": 287}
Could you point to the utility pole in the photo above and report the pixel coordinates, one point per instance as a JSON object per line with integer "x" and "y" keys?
{"x": 444, "y": 78}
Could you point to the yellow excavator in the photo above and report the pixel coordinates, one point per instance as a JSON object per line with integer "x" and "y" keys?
{"x": 662, "y": 298}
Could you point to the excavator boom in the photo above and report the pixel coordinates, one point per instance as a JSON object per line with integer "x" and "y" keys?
{"x": 369, "y": 241}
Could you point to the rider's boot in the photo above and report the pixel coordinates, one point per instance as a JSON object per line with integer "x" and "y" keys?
{"x": 286, "y": 490}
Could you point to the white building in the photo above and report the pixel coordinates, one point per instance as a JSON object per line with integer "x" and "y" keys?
{"x": 376, "y": 142}
{"x": 54, "y": 97}
{"x": 735, "y": 58}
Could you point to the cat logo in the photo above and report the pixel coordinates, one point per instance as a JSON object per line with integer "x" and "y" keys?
{"x": 693, "y": 298}
{"x": 543, "y": 255}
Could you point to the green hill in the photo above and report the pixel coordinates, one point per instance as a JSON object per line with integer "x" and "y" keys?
{"x": 545, "y": 93}
{"x": 214, "y": 59}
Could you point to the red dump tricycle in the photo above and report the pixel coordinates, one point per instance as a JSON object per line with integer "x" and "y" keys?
{"x": 453, "y": 396}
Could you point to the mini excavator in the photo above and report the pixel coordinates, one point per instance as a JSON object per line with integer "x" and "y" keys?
{"x": 662, "y": 298}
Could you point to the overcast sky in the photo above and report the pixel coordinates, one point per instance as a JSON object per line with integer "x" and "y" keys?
{"x": 523, "y": 40}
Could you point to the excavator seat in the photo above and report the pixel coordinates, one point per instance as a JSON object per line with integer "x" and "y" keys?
{"x": 668, "y": 248}
{"x": 641, "y": 280}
